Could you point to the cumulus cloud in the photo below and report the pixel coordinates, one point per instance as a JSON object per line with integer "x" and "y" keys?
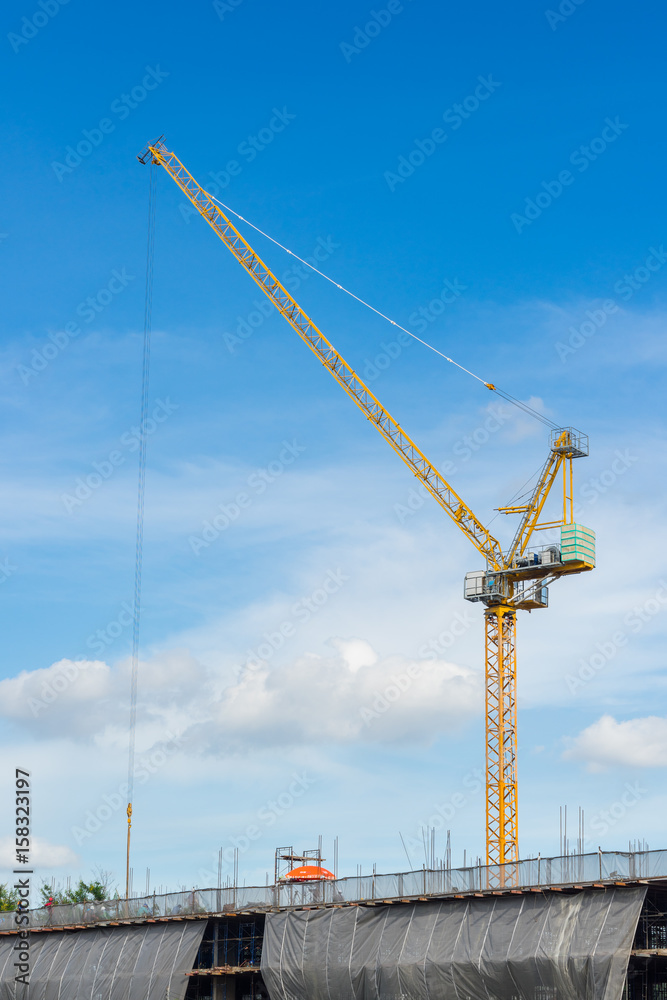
{"x": 356, "y": 653}
{"x": 29, "y": 694}
{"x": 42, "y": 854}
{"x": 349, "y": 696}
{"x": 89, "y": 700}
{"x": 634, "y": 743}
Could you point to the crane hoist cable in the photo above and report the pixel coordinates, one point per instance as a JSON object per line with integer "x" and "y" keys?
{"x": 141, "y": 492}
{"x": 516, "y": 496}
{"x": 531, "y": 411}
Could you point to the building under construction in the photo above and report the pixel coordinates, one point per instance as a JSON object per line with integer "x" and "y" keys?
{"x": 583, "y": 927}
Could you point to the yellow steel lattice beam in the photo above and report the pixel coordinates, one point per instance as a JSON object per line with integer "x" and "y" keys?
{"x": 533, "y": 509}
{"x": 402, "y": 444}
{"x": 502, "y": 839}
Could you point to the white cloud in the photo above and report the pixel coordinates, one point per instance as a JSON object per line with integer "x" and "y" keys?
{"x": 42, "y": 854}
{"x": 25, "y": 695}
{"x": 89, "y": 700}
{"x": 356, "y": 652}
{"x": 350, "y": 696}
{"x": 347, "y": 698}
{"x": 634, "y": 743}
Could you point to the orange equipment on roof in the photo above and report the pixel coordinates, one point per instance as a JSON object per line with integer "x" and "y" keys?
{"x": 308, "y": 873}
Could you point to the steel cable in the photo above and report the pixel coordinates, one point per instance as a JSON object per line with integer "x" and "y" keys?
{"x": 141, "y": 492}
{"x": 489, "y": 385}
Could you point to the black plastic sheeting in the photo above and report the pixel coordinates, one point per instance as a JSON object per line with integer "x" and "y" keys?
{"x": 143, "y": 962}
{"x": 529, "y": 947}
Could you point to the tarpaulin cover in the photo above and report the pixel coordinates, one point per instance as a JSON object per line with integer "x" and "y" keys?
{"x": 142, "y": 962}
{"x": 529, "y": 947}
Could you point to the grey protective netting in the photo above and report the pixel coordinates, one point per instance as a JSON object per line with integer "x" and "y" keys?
{"x": 530, "y": 947}
{"x": 602, "y": 866}
{"x": 144, "y": 962}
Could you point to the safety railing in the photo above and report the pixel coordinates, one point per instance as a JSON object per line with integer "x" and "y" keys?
{"x": 603, "y": 866}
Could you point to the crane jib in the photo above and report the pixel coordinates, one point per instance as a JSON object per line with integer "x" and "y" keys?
{"x": 329, "y": 357}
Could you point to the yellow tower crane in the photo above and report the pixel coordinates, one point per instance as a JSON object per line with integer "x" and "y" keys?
{"x": 514, "y": 581}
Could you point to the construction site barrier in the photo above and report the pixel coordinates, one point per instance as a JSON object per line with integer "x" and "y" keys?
{"x": 602, "y": 866}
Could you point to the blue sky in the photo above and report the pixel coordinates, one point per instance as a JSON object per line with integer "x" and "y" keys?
{"x": 491, "y": 179}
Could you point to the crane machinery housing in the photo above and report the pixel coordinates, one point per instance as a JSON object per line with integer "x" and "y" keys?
{"x": 512, "y": 581}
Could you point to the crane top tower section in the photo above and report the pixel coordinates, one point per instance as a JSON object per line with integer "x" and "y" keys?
{"x": 527, "y": 569}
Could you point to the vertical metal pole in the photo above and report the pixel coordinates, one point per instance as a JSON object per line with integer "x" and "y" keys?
{"x": 562, "y": 459}
{"x": 568, "y": 490}
{"x": 127, "y": 866}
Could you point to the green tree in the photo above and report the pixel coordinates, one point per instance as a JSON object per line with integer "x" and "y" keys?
{"x": 83, "y": 892}
{"x": 8, "y": 898}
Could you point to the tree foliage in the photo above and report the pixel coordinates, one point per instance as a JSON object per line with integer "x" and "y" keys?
{"x": 8, "y": 897}
{"x": 97, "y": 889}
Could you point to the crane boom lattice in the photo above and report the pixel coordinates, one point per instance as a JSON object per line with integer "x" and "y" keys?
{"x": 313, "y": 337}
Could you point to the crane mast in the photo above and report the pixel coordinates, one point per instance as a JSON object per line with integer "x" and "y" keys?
{"x": 512, "y": 581}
